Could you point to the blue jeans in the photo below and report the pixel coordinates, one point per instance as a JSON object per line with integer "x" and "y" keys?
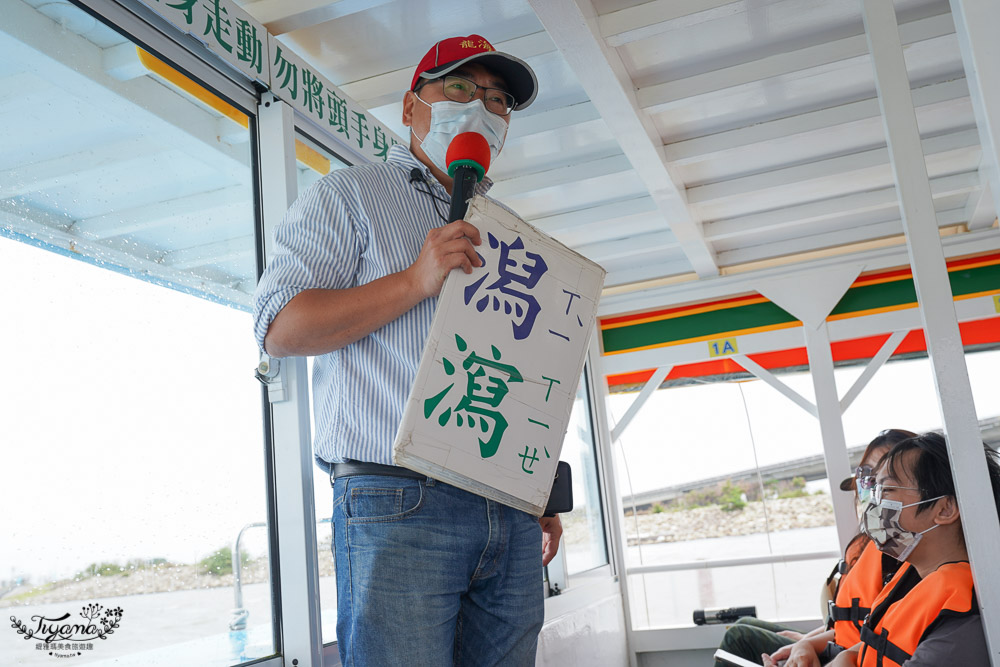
{"x": 428, "y": 574}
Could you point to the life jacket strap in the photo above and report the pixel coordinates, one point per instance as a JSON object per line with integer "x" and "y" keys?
{"x": 883, "y": 647}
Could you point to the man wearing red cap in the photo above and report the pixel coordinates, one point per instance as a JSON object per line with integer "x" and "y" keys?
{"x": 427, "y": 574}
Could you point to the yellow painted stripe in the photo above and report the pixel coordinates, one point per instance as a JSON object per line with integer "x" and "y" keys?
{"x": 699, "y": 339}
{"x": 871, "y": 311}
{"x": 861, "y": 282}
{"x": 902, "y": 306}
{"x": 303, "y": 153}
{"x": 200, "y": 93}
{"x": 684, "y": 313}
{"x": 976, "y": 295}
{"x": 312, "y": 158}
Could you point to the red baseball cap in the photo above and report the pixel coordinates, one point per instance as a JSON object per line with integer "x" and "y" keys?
{"x": 454, "y": 52}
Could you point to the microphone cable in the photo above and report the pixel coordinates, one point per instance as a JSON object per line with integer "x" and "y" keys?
{"x": 417, "y": 176}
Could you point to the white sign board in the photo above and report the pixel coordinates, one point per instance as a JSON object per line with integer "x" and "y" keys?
{"x": 303, "y": 88}
{"x": 492, "y": 398}
{"x": 225, "y": 28}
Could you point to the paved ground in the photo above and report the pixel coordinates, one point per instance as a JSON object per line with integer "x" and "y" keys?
{"x": 191, "y": 627}
{"x": 165, "y": 629}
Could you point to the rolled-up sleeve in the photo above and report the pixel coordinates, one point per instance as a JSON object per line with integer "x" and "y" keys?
{"x": 317, "y": 245}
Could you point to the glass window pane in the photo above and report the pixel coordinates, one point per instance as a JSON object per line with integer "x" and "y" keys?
{"x": 583, "y": 528}
{"x": 133, "y": 450}
{"x": 718, "y": 471}
{"x": 777, "y": 591}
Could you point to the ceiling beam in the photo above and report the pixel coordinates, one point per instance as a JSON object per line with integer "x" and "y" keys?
{"x": 660, "y": 97}
{"x": 601, "y": 72}
{"x": 66, "y": 169}
{"x": 981, "y": 211}
{"x": 840, "y": 237}
{"x": 283, "y": 16}
{"x": 647, "y": 268}
{"x": 202, "y": 206}
{"x": 552, "y": 119}
{"x": 650, "y": 19}
{"x": 824, "y": 168}
{"x": 33, "y": 223}
{"x": 76, "y": 66}
{"x": 564, "y": 222}
{"x": 671, "y": 290}
{"x": 835, "y": 207}
{"x": 605, "y": 251}
{"x": 573, "y": 173}
{"x": 689, "y": 150}
{"x": 209, "y": 253}
{"x": 976, "y": 25}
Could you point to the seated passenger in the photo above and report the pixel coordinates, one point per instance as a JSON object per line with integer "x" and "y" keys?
{"x": 863, "y": 572}
{"x": 927, "y": 615}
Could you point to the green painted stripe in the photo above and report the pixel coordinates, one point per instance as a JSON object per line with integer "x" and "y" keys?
{"x": 868, "y": 297}
{"x": 883, "y": 295}
{"x": 694, "y": 326}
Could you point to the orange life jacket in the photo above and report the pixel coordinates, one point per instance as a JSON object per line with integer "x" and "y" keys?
{"x": 857, "y": 590}
{"x": 909, "y": 607}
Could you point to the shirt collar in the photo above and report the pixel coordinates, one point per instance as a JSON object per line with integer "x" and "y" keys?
{"x": 401, "y": 156}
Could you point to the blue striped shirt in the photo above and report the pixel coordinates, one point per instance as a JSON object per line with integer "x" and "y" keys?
{"x": 349, "y": 228}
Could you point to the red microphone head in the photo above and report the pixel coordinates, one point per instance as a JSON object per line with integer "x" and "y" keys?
{"x": 468, "y": 149}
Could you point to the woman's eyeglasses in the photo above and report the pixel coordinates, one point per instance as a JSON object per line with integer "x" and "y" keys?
{"x": 864, "y": 478}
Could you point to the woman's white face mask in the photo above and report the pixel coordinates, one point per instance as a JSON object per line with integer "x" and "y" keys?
{"x": 450, "y": 119}
{"x": 880, "y": 522}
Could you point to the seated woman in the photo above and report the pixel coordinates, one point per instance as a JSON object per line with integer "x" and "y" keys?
{"x": 863, "y": 572}
{"x": 927, "y": 615}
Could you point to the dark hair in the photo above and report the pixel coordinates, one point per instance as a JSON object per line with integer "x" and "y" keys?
{"x": 932, "y": 469}
{"x": 887, "y": 439}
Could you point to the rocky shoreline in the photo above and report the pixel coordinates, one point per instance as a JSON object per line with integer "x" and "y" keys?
{"x": 649, "y": 528}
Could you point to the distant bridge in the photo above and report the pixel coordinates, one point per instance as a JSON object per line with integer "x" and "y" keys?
{"x": 810, "y": 468}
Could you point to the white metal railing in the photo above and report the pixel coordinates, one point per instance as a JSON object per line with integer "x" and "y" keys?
{"x": 732, "y": 562}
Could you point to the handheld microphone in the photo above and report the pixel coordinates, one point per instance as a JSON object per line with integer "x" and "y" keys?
{"x": 468, "y": 159}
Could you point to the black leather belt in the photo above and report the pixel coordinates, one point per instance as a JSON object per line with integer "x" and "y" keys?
{"x": 348, "y": 468}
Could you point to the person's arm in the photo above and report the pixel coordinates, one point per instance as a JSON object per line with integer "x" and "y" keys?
{"x": 803, "y": 653}
{"x": 551, "y": 533}
{"x": 317, "y": 321}
{"x": 955, "y": 641}
{"x": 796, "y": 636}
{"x": 847, "y": 657}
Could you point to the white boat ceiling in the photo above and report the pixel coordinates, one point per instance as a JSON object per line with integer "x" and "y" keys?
{"x": 672, "y": 141}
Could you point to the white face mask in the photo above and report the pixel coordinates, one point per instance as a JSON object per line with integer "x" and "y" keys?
{"x": 880, "y": 522}
{"x": 450, "y": 119}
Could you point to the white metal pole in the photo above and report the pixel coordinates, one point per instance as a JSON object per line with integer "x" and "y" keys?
{"x": 831, "y": 428}
{"x": 937, "y": 311}
{"x": 615, "y": 512}
{"x": 301, "y": 633}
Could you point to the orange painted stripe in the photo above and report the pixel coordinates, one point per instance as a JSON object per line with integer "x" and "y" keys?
{"x": 902, "y": 274}
{"x": 976, "y": 332}
{"x": 976, "y": 295}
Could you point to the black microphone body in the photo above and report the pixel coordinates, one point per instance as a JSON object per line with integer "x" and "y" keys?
{"x": 728, "y": 615}
{"x": 461, "y": 192}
